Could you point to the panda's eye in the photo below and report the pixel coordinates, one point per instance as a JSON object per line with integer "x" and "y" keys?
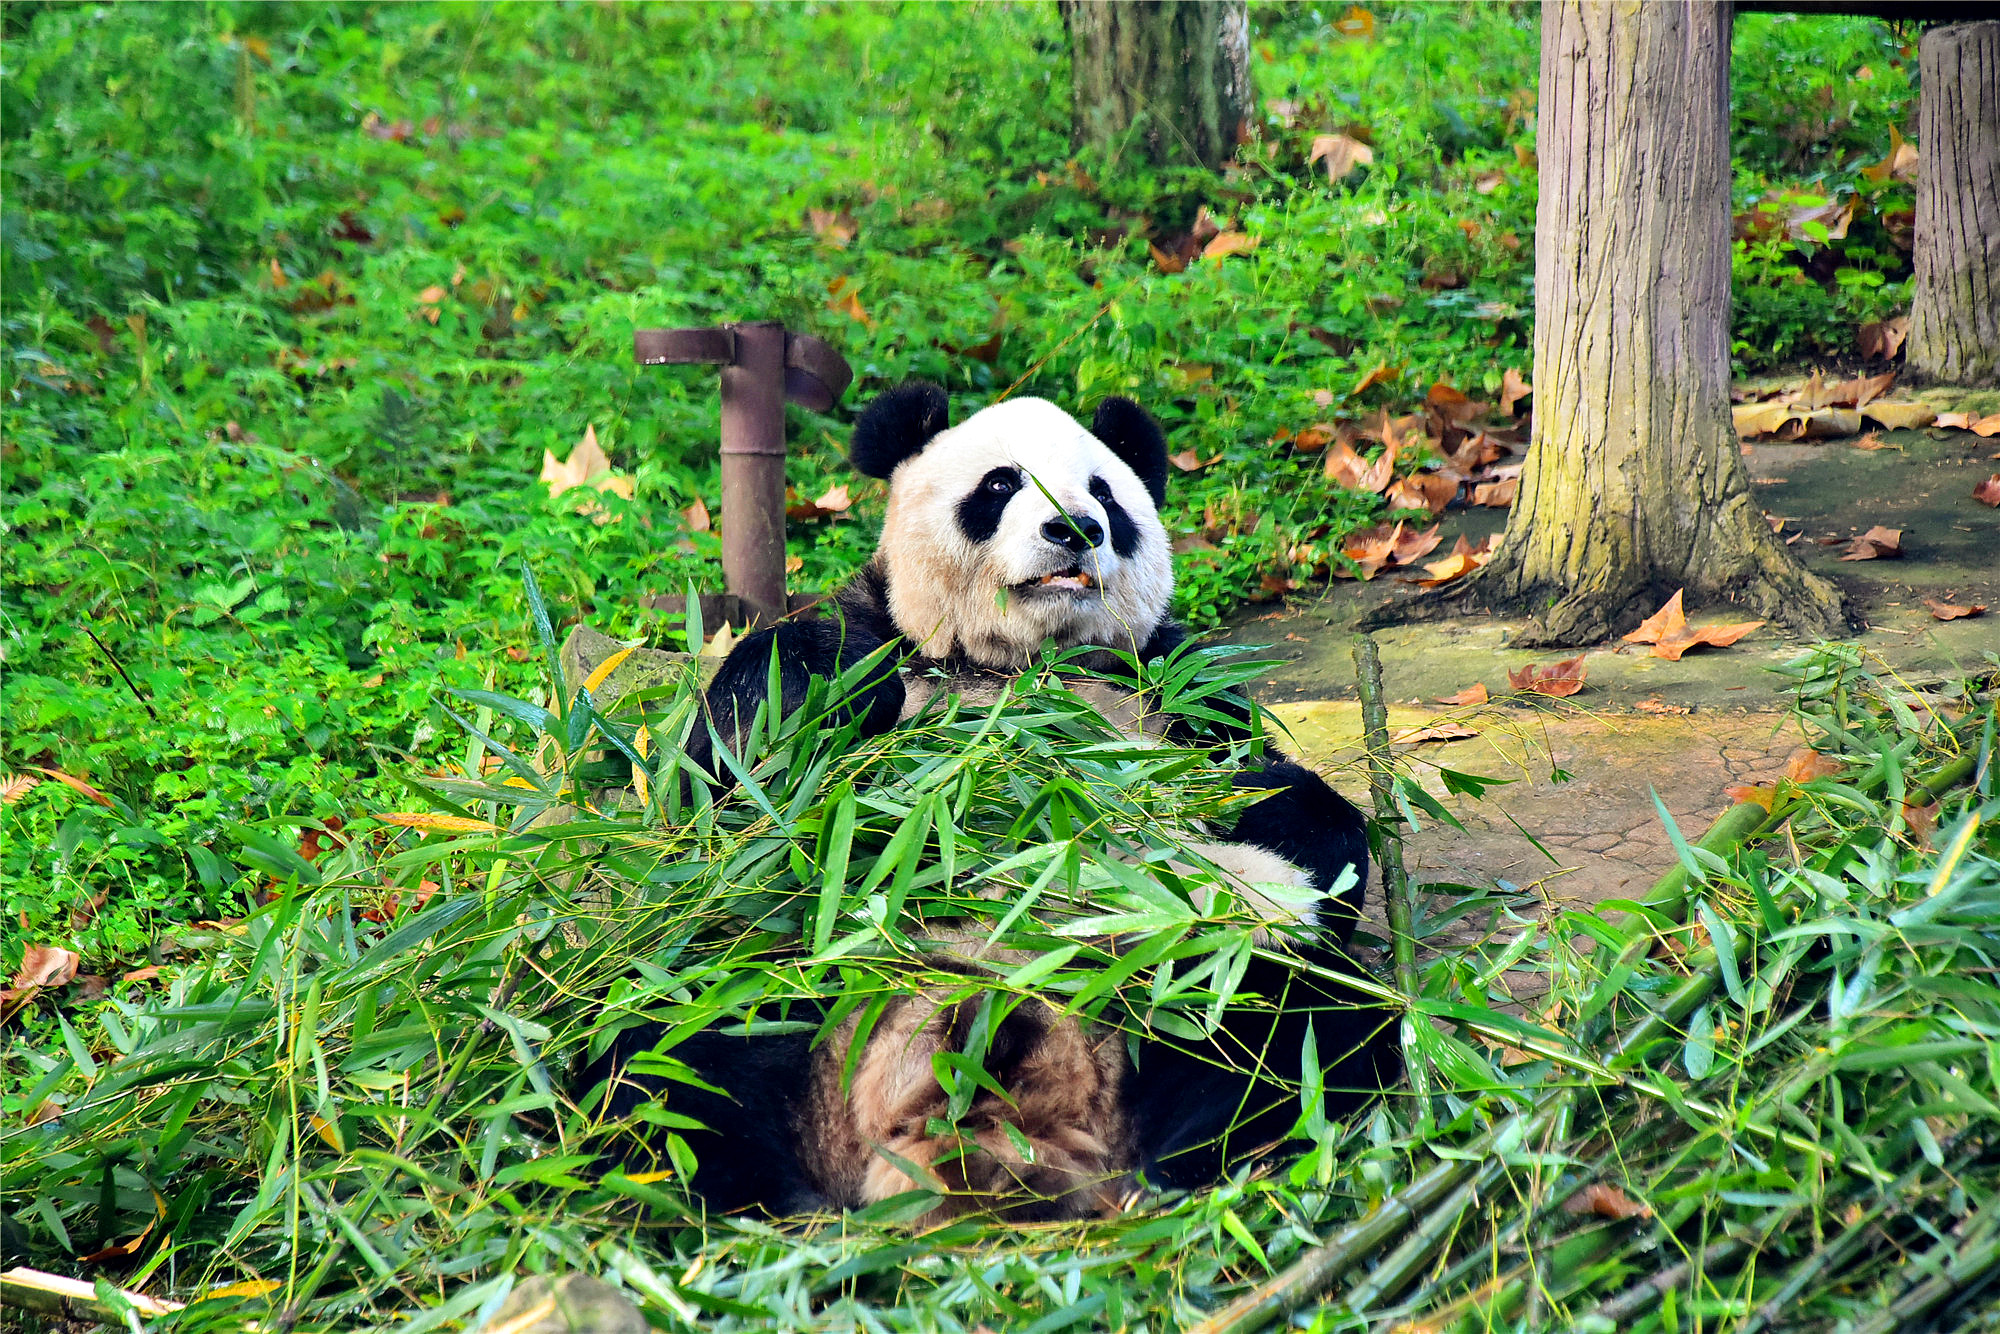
{"x": 1002, "y": 484}
{"x": 1100, "y": 489}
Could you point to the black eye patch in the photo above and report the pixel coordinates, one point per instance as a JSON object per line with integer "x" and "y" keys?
{"x": 979, "y": 513}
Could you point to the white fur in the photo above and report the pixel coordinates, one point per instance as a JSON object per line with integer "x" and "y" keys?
{"x": 952, "y": 595}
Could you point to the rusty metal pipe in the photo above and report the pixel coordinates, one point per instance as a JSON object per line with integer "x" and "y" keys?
{"x": 753, "y": 471}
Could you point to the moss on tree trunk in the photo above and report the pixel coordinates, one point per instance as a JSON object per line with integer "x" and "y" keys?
{"x": 1955, "y": 308}
{"x": 1634, "y": 483}
{"x": 1173, "y": 73}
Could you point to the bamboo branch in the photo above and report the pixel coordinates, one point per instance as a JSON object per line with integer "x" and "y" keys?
{"x": 27, "y": 1289}
{"x": 1381, "y": 784}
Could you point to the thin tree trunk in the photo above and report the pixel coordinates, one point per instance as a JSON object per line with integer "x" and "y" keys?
{"x": 1955, "y": 309}
{"x": 1174, "y": 72}
{"x": 1634, "y": 483}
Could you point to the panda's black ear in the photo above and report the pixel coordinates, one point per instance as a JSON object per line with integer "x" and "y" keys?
{"x": 898, "y": 424}
{"x": 1132, "y": 434}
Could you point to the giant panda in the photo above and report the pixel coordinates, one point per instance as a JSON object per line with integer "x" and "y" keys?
{"x": 1016, "y": 528}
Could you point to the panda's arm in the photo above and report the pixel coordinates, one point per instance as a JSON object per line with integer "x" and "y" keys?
{"x": 814, "y": 648}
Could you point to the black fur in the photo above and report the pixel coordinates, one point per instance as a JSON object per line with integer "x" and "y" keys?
{"x": 979, "y": 513}
{"x": 898, "y": 424}
{"x": 814, "y": 647}
{"x": 1197, "y": 1107}
{"x": 746, "y": 1146}
{"x": 1124, "y": 532}
{"x": 1130, "y": 432}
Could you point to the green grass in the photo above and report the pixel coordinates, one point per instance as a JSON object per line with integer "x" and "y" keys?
{"x": 251, "y": 467}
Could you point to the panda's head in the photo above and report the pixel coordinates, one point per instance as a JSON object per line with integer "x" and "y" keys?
{"x": 1018, "y": 525}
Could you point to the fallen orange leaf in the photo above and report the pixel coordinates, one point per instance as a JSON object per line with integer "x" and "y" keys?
{"x": 1805, "y": 765}
{"x": 1512, "y": 390}
{"x": 77, "y": 783}
{"x": 1229, "y": 243}
{"x": 696, "y": 517}
{"x": 1946, "y": 611}
{"x": 1423, "y": 491}
{"x": 1556, "y": 678}
{"x": 1472, "y": 694}
{"x": 1382, "y": 373}
{"x": 1670, "y": 635}
{"x": 1877, "y": 541}
{"x": 1606, "y": 1201}
{"x": 1343, "y": 153}
{"x": 1988, "y": 491}
{"x": 1435, "y": 732}
{"x": 1758, "y": 796}
{"x": 1498, "y": 494}
{"x": 1189, "y": 461}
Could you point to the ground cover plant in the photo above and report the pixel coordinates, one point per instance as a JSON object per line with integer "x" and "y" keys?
{"x": 295, "y": 297}
{"x": 1762, "y": 1095}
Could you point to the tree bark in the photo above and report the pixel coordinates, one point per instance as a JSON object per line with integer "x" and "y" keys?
{"x": 1634, "y": 483}
{"x": 1174, "y": 74}
{"x": 1955, "y": 308}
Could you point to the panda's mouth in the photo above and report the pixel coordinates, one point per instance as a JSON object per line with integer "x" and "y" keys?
{"x": 1074, "y": 579}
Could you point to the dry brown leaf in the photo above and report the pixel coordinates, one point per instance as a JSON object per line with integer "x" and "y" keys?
{"x": 1662, "y": 708}
{"x": 1883, "y": 339}
{"x": 834, "y": 228}
{"x": 13, "y": 787}
{"x": 1472, "y": 694}
{"x": 696, "y": 517}
{"x": 1450, "y": 404}
{"x": 1757, "y": 796}
{"x": 1423, "y": 491}
{"x": 1347, "y": 468}
{"x": 1954, "y": 421}
{"x": 1357, "y": 23}
{"x": 1606, "y": 1201}
{"x": 46, "y": 966}
{"x": 1311, "y": 440}
{"x": 1858, "y": 392}
{"x": 1556, "y": 678}
{"x": 1381, "y": 373}
{"x": 1986, "y": 427}
{"x": 1373, "y": 548}
{"x": 1951, "y": 611}
{"x": 1873, "y": 440}
{"x": 1901, "y": 164}
{"x": 1670, "y": 635}
{"x": 1167, "y": 263}
{"x": 846, "y": 298}
{"x": 1877, "y": 542}
{"x": 1498, "y": 494}
{"x": 1462, "y": 560}
{"x": 1512, "y": 390}
{"x": 1435, "y": 732}
{"x": 76, "y": 784}
{"x": 1921, "y": 821}
{"x": 1899, "y": 416}
{"x": 1988, "y": 491}
{"x": 1229, "y": 243}
{"x": 1343, "y": 153}
{"x": 585, "y": 466}
{"x": 1189, "y": 461}
{"x": 1804, "y": 765}
{"x": 1755, "y": 419}
{"x": 145, "y": 974}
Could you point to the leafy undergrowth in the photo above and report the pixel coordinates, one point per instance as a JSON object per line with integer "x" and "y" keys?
{"x": 1770, "y": 1089}
{"x": 294, "y": 299}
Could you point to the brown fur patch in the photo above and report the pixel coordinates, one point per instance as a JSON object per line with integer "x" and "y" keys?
{"x": 1063, "y": 1082}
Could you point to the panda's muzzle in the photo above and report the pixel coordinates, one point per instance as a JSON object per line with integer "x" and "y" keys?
{"x": 1076, "y": 533}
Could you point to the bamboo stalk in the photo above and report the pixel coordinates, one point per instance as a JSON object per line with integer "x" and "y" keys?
{"x": 27, "y": 1289}
{"x": 1952, "y": 1266}
{"x": 1381, "y": 784}
{"x": 1320, "y": 1267}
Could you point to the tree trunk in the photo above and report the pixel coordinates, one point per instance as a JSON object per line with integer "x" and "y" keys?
{"x": 1634, "y": 483}
{"x": 1175, "y": 73}
{"x": 1955, "y": 310}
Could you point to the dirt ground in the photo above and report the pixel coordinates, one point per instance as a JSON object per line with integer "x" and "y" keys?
{"x": 1585, "y": 769}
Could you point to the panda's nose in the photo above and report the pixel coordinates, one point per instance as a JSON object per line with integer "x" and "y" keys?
{"x": 1075, "y": 532}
